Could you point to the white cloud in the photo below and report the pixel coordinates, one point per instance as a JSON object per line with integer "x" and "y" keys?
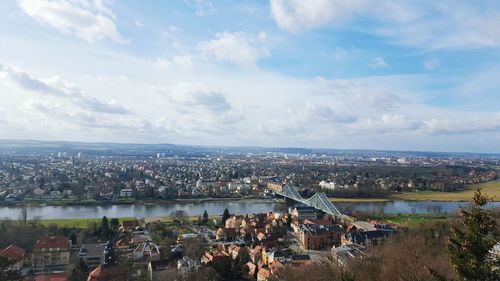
{"x": 298, "y": 15}
{"x": 203, "y": 7}
{"x": 384, "y": 124}
{"x": 378, "y": 62}
{"x": 239, "y": 48}
{"x": 70, "y": 116}
{"x": 473, "y": 124}
{"x": 365, "y": 94}
{"x": 56, "y": 87}
{"x": 89, "y": 20}
{"x": 430, "y": 24}
{"x": 192, "y": 96}
{"x": 447, "y": 25}
{"x": 3, "y": 119}
{"x": 194, "y": 110}
{"x": 174, "y": 62}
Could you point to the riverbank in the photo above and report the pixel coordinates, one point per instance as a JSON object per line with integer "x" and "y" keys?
{"x": 145, "y": 202}
{"x": 492, "y": 189}
{"x": 410, "y": 220}
{"x": 359, "y": 199}
{"x": 88, "y": 222}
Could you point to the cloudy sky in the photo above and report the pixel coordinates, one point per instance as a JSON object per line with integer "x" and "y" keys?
{"x": 413, "y": 75}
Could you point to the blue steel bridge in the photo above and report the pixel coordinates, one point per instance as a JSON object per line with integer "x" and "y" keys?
{"x": 319, "y": 201}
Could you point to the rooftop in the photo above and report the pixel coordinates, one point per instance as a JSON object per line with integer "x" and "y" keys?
{"x": 52, "y": 242}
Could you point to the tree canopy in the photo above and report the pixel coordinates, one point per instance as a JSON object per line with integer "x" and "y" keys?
{"x": 470, "y": 245}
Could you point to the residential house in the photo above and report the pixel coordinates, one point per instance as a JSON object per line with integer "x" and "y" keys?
{"x": 126, "y": 192}
{"x": 317, "y": 237}
{"x": 251, "y": 269}
{"x": 14, "y": 254}
{"x": 346, "y": 254}
{"x": 187, "y": 265}
{"x": 130, "y": 225}
{"x": 145, "y": 251}
{"x": 52, "y": 277}
{"x": 263, "y": 274}
{"x": 161, "y": 269}
{"x": 226, "y": 234}
{"x": 276, "y": 256}
{"x": 109, "y": 269}
{"x": 51, "y": 254}
{"x": 365, "y": 237}
{"x": 276, "y": 267}
{"x": 300, "y": 260}
{"x": 91, "y": 254}
{"x": 303, "y": 213}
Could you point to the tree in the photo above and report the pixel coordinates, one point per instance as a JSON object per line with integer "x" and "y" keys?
{"x": 114, "y": 223}
{"x": 225, "y": 216}
{"x": 24, "y": 215}
{"x": 106, "y": 232}
{"x": 194, "y": 248}
{"x": 73, "y": 238}
{"x": 6, "y": 271}
{"x": 80, "y": 272}
{"x": 205, "y": 217}
{"x": 469, "y": 247}
{"x": 179, "y": 215}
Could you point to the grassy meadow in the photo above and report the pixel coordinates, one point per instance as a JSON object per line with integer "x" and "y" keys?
{"x": 492, "y": 189}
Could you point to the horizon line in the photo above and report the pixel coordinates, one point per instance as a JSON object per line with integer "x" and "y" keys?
{"x": 245, "y": 146}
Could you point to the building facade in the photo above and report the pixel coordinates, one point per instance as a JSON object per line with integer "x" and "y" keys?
{"x": 51, "y": 255}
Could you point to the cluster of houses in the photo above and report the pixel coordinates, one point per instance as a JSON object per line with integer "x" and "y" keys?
{"x": 272, "y": 247}
{"x": 347, "y": 181}
{"x": 50, "y": 257}
{"x": 84, "y": 178}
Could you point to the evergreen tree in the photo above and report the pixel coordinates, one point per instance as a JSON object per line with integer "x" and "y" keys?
{"x": 106, "y": 232}
{"x": 225, "y": 216}
{"x": 205, "y": 217}
{"x": 470, "y": 246}
{"x": 114, "y": 223}
{"x": 73, "y": 238}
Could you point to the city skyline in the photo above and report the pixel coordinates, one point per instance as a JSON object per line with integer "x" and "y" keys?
{"x": 390, "y": 76}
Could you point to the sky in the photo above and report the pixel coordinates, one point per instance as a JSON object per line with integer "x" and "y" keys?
{"x": 359, "y": 74}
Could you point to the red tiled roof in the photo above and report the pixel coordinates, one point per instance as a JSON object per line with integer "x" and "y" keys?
{"x": 320, "y": 222}
{"x": 263, "y": 272}
{"x": 230, "y": 231}
{"x": 107, "y": 274}
{"x": 47, "y": 242}
{"x": 13, "y": 252}
{"x": 130, "y": 224}
{"x": 52, "y": 277}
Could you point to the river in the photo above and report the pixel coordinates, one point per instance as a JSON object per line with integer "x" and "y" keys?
{"x": 216, "y": 208}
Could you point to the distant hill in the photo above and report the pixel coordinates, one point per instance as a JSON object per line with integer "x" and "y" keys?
{"x": 103, "y": 148}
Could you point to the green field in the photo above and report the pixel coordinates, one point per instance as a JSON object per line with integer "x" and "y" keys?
{"x": 358, "y": 199}
{"x": 492, "y": 189}
{"x": 415, "y": 220}
{"x": 76, "y": 223}
{"x": 411, "y": 220}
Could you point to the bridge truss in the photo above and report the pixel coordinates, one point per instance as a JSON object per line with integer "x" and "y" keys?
{"x": 319, "y": 201}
